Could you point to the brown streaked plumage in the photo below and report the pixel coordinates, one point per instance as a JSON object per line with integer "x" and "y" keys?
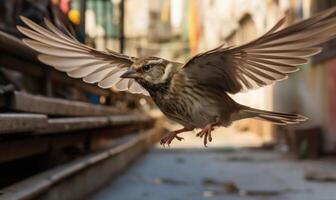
{"x": 194, "y": 94}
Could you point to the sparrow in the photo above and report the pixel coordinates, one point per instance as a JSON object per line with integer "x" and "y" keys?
{"x": 196, "y": 93}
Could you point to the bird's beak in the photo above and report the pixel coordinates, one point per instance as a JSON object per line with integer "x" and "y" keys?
{"x": 130, "y": 73}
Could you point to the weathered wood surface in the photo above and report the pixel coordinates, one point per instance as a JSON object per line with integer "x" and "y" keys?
{"x": 24, "y": 102}
{"x": 16, "y": 123}
{"x": 77, "y": 129}
{"x": 17, "y": 149}
{"x": 116, "y": 120}
{"x": 12, "y": 45}
{"x": 70, "y": 181}
{"x": 59, "y": 125}
{"x": 11, "y": 123}
{"x": 78, "y": 125}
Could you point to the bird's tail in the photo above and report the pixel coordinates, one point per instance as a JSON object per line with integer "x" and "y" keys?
{"x": 274, "y": 117}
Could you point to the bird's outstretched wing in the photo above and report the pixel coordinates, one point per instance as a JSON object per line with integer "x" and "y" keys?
{"x": 65, "y": 53}
{"x": 265, "y": 60}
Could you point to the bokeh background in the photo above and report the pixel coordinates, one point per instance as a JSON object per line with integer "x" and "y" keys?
{"x": 176, "y": 30}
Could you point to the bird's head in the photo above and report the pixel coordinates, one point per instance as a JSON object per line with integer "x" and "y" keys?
{"x": 151, "y": 70}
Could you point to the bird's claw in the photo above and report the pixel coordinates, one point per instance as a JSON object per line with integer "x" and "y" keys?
{"x": 206, "y": 132}
{"x": 169, "y": 138}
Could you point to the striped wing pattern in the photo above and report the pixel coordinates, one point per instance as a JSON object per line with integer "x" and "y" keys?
{"x": 267, "y": 59}
{"x": 65, "y": 53}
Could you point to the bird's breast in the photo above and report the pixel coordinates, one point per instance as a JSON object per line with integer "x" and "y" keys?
{"x": 185, "y": 106}
{"x": 191, "y": 104}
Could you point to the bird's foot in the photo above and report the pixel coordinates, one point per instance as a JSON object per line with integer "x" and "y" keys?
{"x": 169, "y": 138}
{"x": 172, "y": 135}
{"x": 206, "y": 133}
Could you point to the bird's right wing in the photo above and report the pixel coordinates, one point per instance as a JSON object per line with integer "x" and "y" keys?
{"x": 66, "y": 54}
{"x": 265, "y": 60}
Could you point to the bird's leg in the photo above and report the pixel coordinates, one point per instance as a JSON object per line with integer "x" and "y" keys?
{"x": 172, "y": 135}
{"x": 206, "y": 132}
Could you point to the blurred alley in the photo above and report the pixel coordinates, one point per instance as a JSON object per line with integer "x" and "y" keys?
{"x": 62, "y": 138}
{"x": 222, "y": 173}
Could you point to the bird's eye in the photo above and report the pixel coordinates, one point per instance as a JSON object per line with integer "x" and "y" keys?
{"x": 146, "y": 68}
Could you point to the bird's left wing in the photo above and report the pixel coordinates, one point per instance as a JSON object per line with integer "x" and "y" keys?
{"x": 268, "y": 59}
{"x": 65, "y": 53}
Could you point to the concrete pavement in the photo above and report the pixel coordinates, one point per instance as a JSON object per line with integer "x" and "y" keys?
{"x": 197, "y": 174}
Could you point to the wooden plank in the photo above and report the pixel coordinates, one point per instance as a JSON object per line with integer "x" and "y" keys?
{"x": 73, "y": 124}
{"x": 13, "y": 123}
{"x": 117, "y": 120}
{"x": 39, "y": 124}
{"x": 16, "y": 149}
{"x": 22, "y": 65}
{"x": 70, "y": 181}
{"x": 51, "y": 106}
{"x": 99, "y": 131}
{"x": 59, "y": 125}
{"x": 13, "y": 45}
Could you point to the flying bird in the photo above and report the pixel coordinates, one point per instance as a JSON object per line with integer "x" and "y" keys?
{"x": 196, "y": 93}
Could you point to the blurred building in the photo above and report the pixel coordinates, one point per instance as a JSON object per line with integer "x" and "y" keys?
{"x": 178, "y": 29}
{"x": 235, "y": 23}
{"x": 309, "y": 91}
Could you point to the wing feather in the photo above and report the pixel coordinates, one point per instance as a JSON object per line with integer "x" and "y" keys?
{"x": 122, "y": 85}
{"x": 111, "y": 79}
{"x": 65, "y": 53}
{"x": 61, "y": 39}
{"x": 87, "y": 70}
{"x": 66, "y": 62}
{"x": 100, "y": 75}
{"x": 54, "y": 51}
{"x": 265, "y": 60}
